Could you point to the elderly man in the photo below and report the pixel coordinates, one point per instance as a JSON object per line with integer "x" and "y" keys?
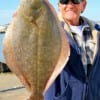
{"x": 80, "y": 79}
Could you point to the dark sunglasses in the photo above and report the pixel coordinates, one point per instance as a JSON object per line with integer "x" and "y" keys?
{"x": 67, "y": 1}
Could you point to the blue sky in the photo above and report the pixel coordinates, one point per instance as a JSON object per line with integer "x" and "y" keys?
{"x": 7, "y": 7}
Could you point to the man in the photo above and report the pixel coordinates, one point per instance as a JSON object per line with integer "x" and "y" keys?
{"x": 79, "y": 80}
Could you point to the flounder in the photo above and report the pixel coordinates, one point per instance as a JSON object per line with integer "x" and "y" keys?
{"x": 35, "y": 46}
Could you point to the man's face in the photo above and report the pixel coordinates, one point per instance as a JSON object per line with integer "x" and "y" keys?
{"x": 71, "y": 11}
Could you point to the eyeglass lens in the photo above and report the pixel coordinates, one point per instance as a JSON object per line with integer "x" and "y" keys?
{"x": 73, "y": 1}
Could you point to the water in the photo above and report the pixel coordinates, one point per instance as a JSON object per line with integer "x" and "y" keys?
{"x": 1, "y": 52}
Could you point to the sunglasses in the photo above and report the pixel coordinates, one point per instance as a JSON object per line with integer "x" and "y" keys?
{"x": 67, "y": 1}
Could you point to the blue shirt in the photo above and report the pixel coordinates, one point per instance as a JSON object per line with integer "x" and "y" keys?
{"x": 73, "y": 83}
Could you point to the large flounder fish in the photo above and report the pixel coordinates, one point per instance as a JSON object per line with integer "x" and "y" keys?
{"x": 35, "y": 46}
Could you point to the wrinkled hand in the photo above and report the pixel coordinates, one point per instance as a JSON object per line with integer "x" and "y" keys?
{"x": 14, "y": 14}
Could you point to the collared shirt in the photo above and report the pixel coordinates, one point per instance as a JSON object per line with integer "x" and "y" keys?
{"x": 84, "y": 41}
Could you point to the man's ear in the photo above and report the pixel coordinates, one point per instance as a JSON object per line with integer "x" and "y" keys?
{"x": 84, "y": 3}
{"x": 58, "y": 5}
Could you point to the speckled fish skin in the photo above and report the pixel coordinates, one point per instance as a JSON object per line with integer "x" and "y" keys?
{"x": 35, "y": 46}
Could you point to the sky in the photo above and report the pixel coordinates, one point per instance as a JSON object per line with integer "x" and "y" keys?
{"x": 7, "y": 8}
